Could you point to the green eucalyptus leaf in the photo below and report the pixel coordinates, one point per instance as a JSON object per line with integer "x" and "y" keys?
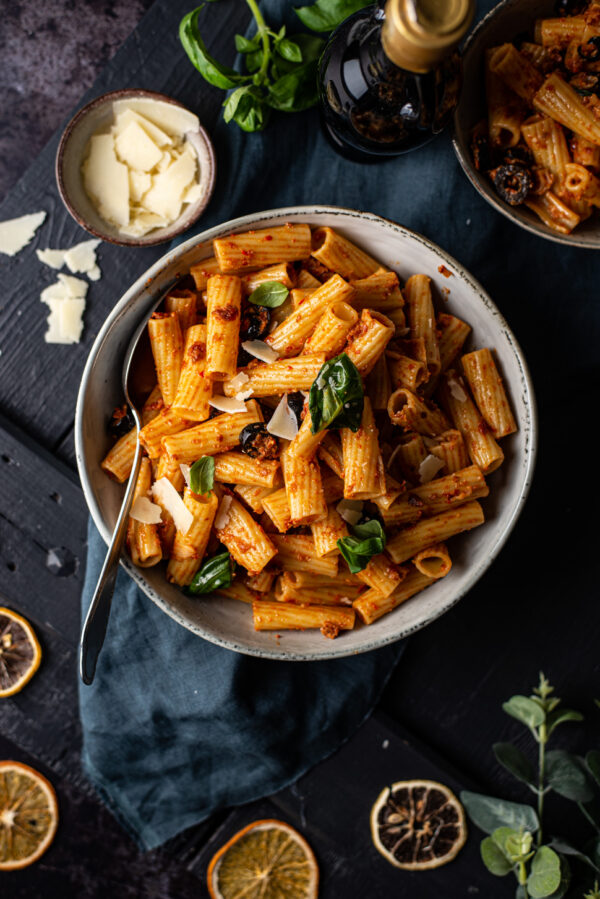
{"x": 592, "y": 760}
{"x": 490, "y": 813}
{"x": 565, "y": 880}
{"x": 565, "y": 848}
{"x": 211, "y": 70}
{"x": 289, "y": 50}
{"x": 521, "y": 892}
{"x": 593, "y": 850}
{"x": 517, "y": 845}
{"x": 336, "y": 398}
{"x": 545, "y": 875}
{"x": 494, "y": 859}
{"x": 243, "y": 45}
{"x": 514, "y": 761}
{"x": 270, "y": 293}
{"x": 567, "y": 776}
{"x": 325, "y": 15}
{"x": 559, "y": 716}
{"x": 367, "y": 540}
{"x": 501, "y": 835}
{"x": 214, "y": 574}
{"x": 525, "y": 710}
{"x": 202, "y": 475}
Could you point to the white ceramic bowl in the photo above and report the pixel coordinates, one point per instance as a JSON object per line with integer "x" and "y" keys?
{"x": 505, "y": 22}
{"x": 228, "y": 622}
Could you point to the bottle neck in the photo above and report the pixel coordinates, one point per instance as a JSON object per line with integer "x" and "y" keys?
{"x": 417, "y": 35}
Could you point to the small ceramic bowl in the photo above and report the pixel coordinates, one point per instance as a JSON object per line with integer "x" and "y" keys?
{"x": 97, "y": 116}
{"x": 505, "y": 22}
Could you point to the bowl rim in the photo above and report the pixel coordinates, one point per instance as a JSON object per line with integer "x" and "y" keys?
{"x": 123, "y": 94}
{"x": 570, "y": 240}
{"x": 252, "y": 220}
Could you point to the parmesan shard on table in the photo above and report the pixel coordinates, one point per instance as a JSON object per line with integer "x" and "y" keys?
{"x": 15, "y": 234}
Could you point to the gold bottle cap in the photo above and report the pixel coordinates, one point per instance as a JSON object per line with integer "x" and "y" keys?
{"x": 418, "y": 34}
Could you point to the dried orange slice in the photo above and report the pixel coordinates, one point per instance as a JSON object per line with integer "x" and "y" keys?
{"x": 20, "y": 652}
{"x": 268, "y": 859}
{"x": 28, "y": 815}
{"x": 418, "y": 824}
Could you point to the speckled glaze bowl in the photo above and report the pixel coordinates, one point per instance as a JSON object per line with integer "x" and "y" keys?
{"x": 97, "y": 116}
{"x": 228, "y": 622}
{"x": 504, "y": 23}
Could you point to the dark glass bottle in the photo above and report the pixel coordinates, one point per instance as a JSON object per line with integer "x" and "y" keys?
{"x": 390, "y": 76}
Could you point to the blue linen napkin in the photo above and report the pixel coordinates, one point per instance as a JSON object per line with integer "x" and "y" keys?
{"x": 175, "y": 727}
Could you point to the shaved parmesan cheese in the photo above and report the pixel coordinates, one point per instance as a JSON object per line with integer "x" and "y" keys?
{"x": 350, "y": 510}
{"x": 82, "y": 257}
{"x": 171, "y": 118}
{"x": 222, "y": 516}
{"x": 164, "y": 492}
{"x": 260, "y": 350}
{"x": 428, "y": 468}
{"x": 227, "y": 404}
{"x": 106, "y": 180}
{"x": 193, "y": 194}
{"x": 66, "y": 286}
{"x": 456, "y": 390}
{"x": 136, "y": 148}
{"x": 142, "y": 222}
{"x": 158, "y": 136}
{"x": 243, "y": 395}
{"x": 185, "y": 471}
{"x": 17, "y": 233}
{"x": 65, "y": 322}
{"x": 238, "y": 381}
{"x": 283, "y": 422}
{"x": 166, "y": 194}
{"x": 139, "y": 183}
{"x": 53, "y": 258}
{"x": 145, "y": 511}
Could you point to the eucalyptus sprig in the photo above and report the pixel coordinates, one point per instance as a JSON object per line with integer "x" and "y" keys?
{"x": 281, "y": 69}
{"x": 516, "y": 830}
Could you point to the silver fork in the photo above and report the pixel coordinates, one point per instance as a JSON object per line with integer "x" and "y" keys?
{"x": 96, "y": 620}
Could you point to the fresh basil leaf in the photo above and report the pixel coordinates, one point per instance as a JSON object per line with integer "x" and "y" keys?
{"x": 311, "y": 46}
{"x": 270, "y": 293}
{"x": 559, "y": 716}
{"x": 214, "y": 574}
{"x": 246, "y": 108}
{"x": 296, "y": 90}
{"x": 325, "y": 15}
{"x": 494, "y": 859}
{"x": 490, "y": 813}
{"x": 525, "y": 710}
{"x": 545, "y": 874}
{"x": 366, "y": 540}
{"x": 202, "y": 475}
{"x": 243, "y": 45}
{"x": 336, "y": 398}
{"x": 211, "y": 70}
{"x": 289, "y": 50}
{"x": 254, "y": 60}
{"x": 514, "y": 761}
{"x": 567, "y": 776}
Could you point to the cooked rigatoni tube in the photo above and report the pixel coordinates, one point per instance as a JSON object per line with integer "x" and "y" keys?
{"x": 288, "y": 338}
{"x": 557, "y": 99}
{"x": 305, "y": 443}
{"x": 360, "y": 451}
{"x": 202, "y": 271}
{"x": 297, "y": 552}
{"x": 584, "y": 152}
{"x": 548, "y": 144}
{"x": 434, "y": 561}
{"x": 560, "y": 32}
{"x": 327, "y": 531}
{"x": 299, "y": 295}
{"x": 382, "y": 575}
{"x": 307, "y": 579}
{"x": 505, "y": 110}
{"x": 238, "y": 468}
{"x": 437, "y": 496}
{"x": 368, "y": 340}
{"x": 449, "y": 447}
{"x": 341, "y": 255}
{"x": 195, "y": 386}
{"x": 304, "y": 489}
{"x": 260, "y": 583}
{"x": 170, "y": 469}
{"x": 224, "y": 298}
{"x": 332, "y": 329}
{"x": 243, "y": 536}
{"x": 397, "y": 317}
{"x": 143, "y": 542}
{"x": 276, "y": 616}
{"x": 166, "y": 423}
{"x": 259, "y": 249}
{"x": 408, "y": 410}
{"x": 380, "y": 291}
{"x": 393, "y": 489}
{"x": 516, "y": 71}
{"x": 183, "y": 303}
{"x": 282, "y": 376}
{"x": 580, "y": 185}
{"x": 282, "y": 272}
{"x": 217, "y": 435}
{"x": 538, "y": 56}
{"x": 488, "y": 391}
{"x": 330, "y": 452}
{"x": 409, "y": 453}
{"x": 119, "y": 459}
{"x": 553, "y": 212}
{"x": 406, "y": 371}
{"x": 189, "y": 548}
{"x": 480, "y": 442}
{"x": 408, "y": 542}
{"x": 336, "y": 593}
{"x": 254, "y": 496}
{"x": 167, "y": 348}
{"x": 421, "y": 316}
{"x": 379, "y": 385}
{"x": 277, "y": 507}
{"x": 452, "y": 334}
{"x": 372, "y": 605}
{"x": 306, "y": 281}
{"x": 240, "y": 591}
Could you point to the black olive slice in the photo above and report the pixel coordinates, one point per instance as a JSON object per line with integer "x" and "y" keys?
{"x": 255, "y": 322}
{"x": 512, "y": 183}
{"x": 590, "y": 51}
{"x": 121, "y": 422}
{"x": 295, "y": 403}
{"x": 257, "y": 443}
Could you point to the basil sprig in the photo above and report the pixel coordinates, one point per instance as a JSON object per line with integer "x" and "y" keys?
{"x": 202, "y": 475}
{"x": 367, "y": 540}
{"x": 325, "y": 15}
{"x": 214, "y": 575}
{"x": 270, "y": 293}
{"x": 336, "y": 398}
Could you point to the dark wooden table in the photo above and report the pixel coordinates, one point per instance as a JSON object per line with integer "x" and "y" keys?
{"x": 446, "y": 693}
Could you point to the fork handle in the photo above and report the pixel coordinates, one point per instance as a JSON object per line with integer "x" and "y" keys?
{"x": 96, "y": 620}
